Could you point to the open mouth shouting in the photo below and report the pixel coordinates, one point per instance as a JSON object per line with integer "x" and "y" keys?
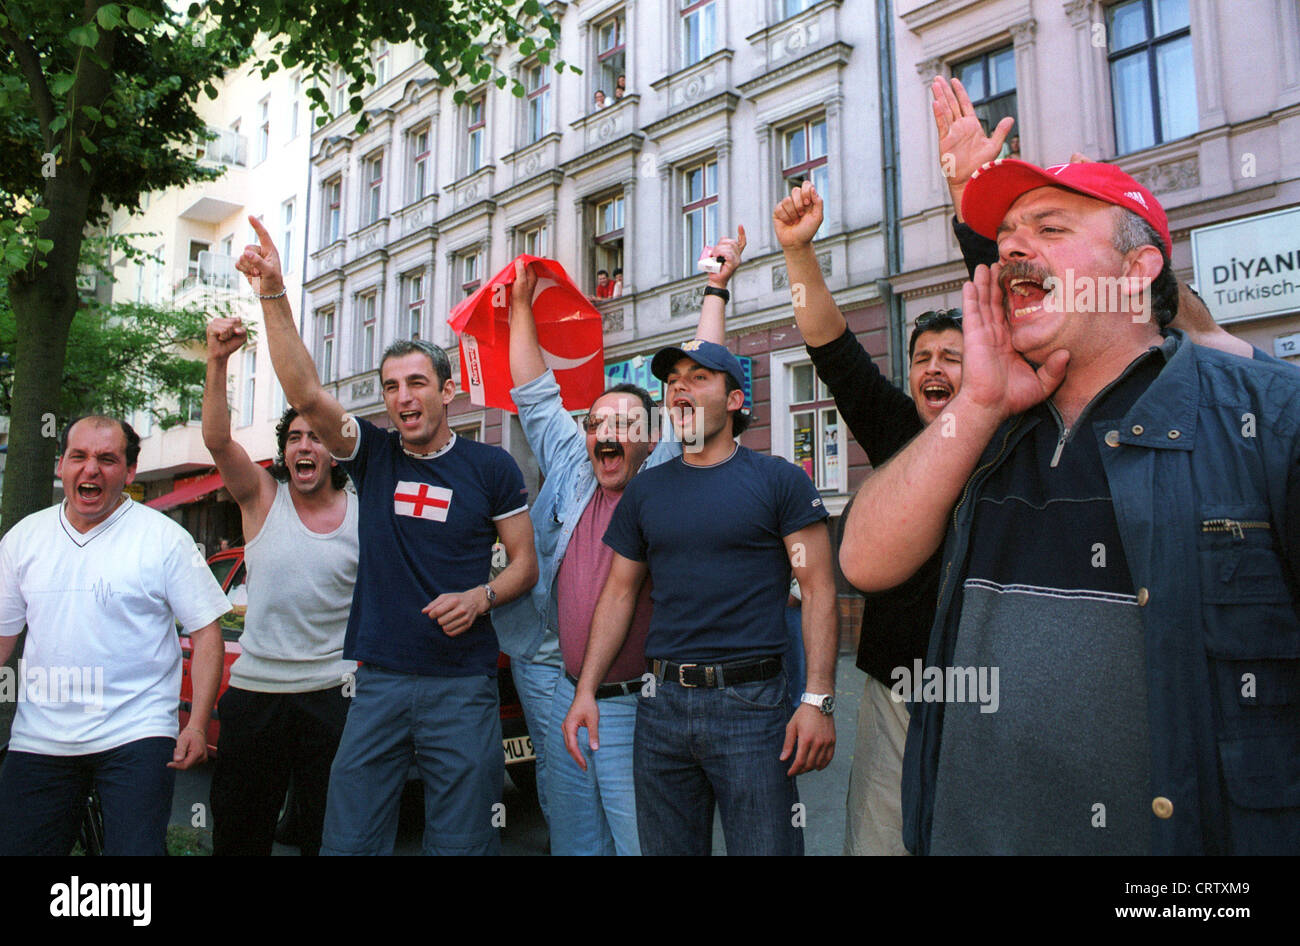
{"x": 1024, "y": 289}
{"x": 937, "y": 392}
{"x": 304, "y": 469}
{"x": 683, "y": 409}
{"x": 410, "y": 419}
{"x": 609, "y": 456}
{"x": 89, "y": 493}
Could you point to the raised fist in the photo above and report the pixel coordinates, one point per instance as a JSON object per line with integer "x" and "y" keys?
{"x": 225, "y": 337}
{"x": 797, "y": 218}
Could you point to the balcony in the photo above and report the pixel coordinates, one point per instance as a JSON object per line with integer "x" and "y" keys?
{"x": 211, "y": 202}
{"x": 211, "y": 274}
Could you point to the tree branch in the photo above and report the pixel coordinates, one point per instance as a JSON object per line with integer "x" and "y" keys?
{"x": 31, "y": 65}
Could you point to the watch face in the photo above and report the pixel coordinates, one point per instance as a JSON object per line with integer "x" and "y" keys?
{"x": 828, "y": 705}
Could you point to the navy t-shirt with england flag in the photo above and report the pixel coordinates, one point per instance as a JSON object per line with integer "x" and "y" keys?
{"x": 426, "y": 527}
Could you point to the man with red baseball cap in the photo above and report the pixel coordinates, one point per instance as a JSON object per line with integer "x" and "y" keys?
{"x": 1122, "y": 519}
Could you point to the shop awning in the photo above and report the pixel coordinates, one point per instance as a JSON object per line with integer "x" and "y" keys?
{"x": 191, "y": 491}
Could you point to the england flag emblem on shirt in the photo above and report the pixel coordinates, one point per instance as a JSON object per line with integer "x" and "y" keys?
{"x": 421, "y": 501}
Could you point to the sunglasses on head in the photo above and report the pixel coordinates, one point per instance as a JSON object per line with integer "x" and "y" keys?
{"x": 926, "y": 320}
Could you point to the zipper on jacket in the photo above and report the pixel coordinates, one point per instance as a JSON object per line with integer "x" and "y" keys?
{"x": 1236, "y": 526}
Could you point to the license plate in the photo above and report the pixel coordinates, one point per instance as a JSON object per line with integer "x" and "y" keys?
{"x": 518, "y": 749}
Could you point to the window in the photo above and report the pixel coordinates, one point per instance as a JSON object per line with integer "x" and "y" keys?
{"x": 533, "y": 240}
{"x": 608, "y": 237}
{"x": 1152, "y": 79}
{"x": 293, "y": 108}
{"x": 249, "y": 380}
{"x": 420, "y": 163}
{"x": 414, "y": 304}
{"x": 333, "y": 209}
{"x": 699, "y": 211}
{"x": 286, "y": 235}
{"x": 469, "y": 273}
{"x": 611, "y": 57}
{"x": 815, "y": 438}
{"x": 990, "y": 81}
{"x": 699, "y": 30}
{"x": 537, "y": 90}
{"x": 264, "y": 129}
{"x": 197, "y": 248}
{"x": 340, "y": 92}
{"x": 381, "y": 62}
{"x": 791, "y": 7}
{"x": 803, "y": 156}
{"x": 325, "y": 319}
{"x": 366, "y": 306}
{"x": 475, "y": 125}
{"x": 374, "y": 177}
{"x": 159, "y": 274}
{"x": 470, "y": 431}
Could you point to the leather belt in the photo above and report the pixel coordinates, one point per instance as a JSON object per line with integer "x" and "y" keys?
{"x": 717, "y": 675}
{"x": 607, "y": 690}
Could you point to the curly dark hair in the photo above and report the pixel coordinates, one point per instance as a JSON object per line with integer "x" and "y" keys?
{"x": 278, "y": 469}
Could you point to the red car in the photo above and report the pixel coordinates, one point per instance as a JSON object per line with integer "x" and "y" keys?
{"x": 228, "y": 568}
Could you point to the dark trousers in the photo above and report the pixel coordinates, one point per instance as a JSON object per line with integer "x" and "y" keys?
{"x": 267, "y": 738}
{"x": 43, "y": 798}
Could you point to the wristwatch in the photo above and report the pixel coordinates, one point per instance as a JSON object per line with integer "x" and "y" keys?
{"x": 722, "y": 294}
{"x": 491, "y": 596}
{"x": 823, "y": 701}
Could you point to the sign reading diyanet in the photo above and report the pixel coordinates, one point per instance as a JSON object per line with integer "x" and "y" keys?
{"x": 1249, "y": 268}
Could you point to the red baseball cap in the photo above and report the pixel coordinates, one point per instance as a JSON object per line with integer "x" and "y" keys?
{"x": 999, "y": 184}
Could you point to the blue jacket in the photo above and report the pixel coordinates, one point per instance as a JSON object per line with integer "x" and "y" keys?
{"x": 1199, "y": 472}
{"x": 560, "y": 447}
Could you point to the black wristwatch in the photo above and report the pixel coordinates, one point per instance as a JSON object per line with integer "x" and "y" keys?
{"x": 722, "y": 294}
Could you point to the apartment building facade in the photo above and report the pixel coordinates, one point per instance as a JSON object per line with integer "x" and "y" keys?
{"x": 721, "y": 107}
{"x": 1197, "y": 99}
{"x": 262, "y": 130}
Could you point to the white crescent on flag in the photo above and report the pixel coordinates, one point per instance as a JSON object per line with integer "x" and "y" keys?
{"x": 556, "y": 363}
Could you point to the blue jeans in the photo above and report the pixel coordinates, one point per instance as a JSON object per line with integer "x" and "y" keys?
{"x": 450, "y": 728}
{"x": 536, "y": 686}
{"x": 594, "y": 812}
{"x": 699, "y": 745}
{"x": 42, "y": 798}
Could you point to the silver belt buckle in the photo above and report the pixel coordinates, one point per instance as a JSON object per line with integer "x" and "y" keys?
{"x": 681, "y": 675}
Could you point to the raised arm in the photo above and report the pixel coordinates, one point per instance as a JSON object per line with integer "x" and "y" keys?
{"x": 289, "y": 356}
{"x": 963, "y": 146}
{"x": 713, "y": 311}
{"x": 251, "y": 486}
{"x": 900, "y": 515}
{"x": 796, "y": 220}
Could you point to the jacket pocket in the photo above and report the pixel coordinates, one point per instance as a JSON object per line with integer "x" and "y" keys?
{"x": 1262, "y": 777}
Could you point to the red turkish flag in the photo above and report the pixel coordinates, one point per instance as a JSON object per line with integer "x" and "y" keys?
{"x": 568, "y": 328}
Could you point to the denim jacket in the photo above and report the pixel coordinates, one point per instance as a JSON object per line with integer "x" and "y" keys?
{"x": 1198, "y": 473}
{"x": 560, "y": 446}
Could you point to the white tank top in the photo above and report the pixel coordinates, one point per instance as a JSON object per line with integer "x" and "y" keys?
{"x": 299, "y": 596}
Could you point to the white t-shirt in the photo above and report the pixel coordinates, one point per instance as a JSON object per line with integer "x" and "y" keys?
{"x": 102, "y": 662}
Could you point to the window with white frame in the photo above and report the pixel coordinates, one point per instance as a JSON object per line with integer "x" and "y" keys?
{"x": 367, "y": 322}
{"x": 789, "y": 8}
{"x": 475, "y": 133}
{"x": 1152, "y": 73}
{"x": 278, "y": 401}
{"x": 470, "y": 430}
{"x": 382, "y": 60}
{"x": 340, "y": 92}
{"x": 421, "y": 162}
{"x": 803, "y": 156}
{"x": 293, "y": 108}
{"x": 286, "y": 235}
{"x": 249, "y": 384}
{"x": 470, "y": 272}
{"x": 533, "y": 240}
{"x": 699, "y": 212}
{"x": 325, "y": 322}
{"x": 374, "y": 178}
{"x": 537, "y": 94}
{"x": 333, "y": 189}
{"x": 414, "y": 305}
{"x": 990, "y": 81}
{"x": 611, "y": 56}
{"x": 699, "y": 29}
{"x": 264, "y": 129}
{"x": 159, "y": 264}
{"x": 608, "y": 237}
{"x": 806, "y": 427}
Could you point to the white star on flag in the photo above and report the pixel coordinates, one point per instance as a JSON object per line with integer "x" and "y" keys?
{"x": 421, "y": 501}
